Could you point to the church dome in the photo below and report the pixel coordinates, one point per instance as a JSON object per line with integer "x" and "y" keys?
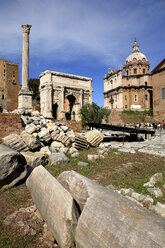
{"x": 136, "y": 62}
{"x": 136, "y": 55}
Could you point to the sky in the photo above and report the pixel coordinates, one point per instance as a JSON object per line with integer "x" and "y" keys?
{"x": 82, "y": 37}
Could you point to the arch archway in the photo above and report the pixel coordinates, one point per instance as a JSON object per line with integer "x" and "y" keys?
{"x": 70, "y": 101}
{"x": 55, "y": 111}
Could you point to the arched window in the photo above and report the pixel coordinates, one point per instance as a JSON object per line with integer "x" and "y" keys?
{"x": 135, "y": 71}
{"x": 145, "y": 83}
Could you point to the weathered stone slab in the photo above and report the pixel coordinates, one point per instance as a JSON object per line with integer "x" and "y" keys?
{"x": 46, "y": 150}
{"x": 72, "y": 150}
{"x": 159, "y": 208}
{"x": 35, "y": 159}
{"x": 94, "y": 137}
{"x": 75, "y": 155}
{"x": 58, "y": 158}
{"x": 64, "y": 149}
{"x": 15, "y": 142}
{"x": 44, "y": 135}
{"x": 52, "y": 127}
{"x": 155, "y": 178}
{"x": 55, "y": 205}
{"x": 12, "y": 164}
{"x": 56, "y": 145}
{"x": 31, "y": 128}
{"x": 81, "y": 163}
{"x": 31, "y": 141}
{"x": 109, "y": 219}
{"x": 64, "y": 128}
{"x": 155, "y": 191}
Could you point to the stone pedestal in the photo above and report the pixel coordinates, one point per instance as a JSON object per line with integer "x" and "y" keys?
{"x": 25, "y": 100}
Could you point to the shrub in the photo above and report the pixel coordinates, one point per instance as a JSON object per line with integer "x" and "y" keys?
{"x": 92, "y": 113}
{"x": 131, "y": 112}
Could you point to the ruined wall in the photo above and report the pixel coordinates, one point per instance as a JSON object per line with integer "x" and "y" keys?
{"x": 10, "y": 123}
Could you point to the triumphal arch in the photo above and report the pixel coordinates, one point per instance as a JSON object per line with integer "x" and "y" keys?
{"x": 62, "y": 95}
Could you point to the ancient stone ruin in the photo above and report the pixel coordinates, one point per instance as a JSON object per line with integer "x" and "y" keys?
{"x": 62, "y": 95}
{"x": 41, "y": 142}
{"x": 81, "y": 213}
{"x": 78, "y": 211}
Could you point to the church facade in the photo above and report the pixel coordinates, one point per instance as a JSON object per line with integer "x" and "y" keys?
{"x": 62, "y": 95}
{"x": 137, "y": 88}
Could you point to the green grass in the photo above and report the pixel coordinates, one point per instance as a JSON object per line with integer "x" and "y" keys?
{"x": 111, "y": 169}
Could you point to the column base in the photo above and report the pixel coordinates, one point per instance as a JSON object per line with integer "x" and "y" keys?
{"x": 62, "y": 115}
{"x": 25, "y": 100}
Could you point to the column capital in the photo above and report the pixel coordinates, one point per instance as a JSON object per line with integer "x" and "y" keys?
{"x": 26, "y": 28}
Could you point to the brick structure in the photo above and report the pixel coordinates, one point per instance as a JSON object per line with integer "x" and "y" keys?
{"x": 10, "y": 123}
{"x": 158, "y": 84}
{"x": 9, "y": 85}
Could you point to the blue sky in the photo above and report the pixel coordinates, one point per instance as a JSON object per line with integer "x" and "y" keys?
{"x": 82, "y": 37}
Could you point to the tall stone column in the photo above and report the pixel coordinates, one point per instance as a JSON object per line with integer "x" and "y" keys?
{"x": 25, "y": 95}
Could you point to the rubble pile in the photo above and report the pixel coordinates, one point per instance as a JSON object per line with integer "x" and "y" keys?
{"x": 43, "y": 141}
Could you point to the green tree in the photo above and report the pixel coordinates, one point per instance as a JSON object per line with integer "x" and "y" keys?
{"x": 92, "y": 113}
{"x": 34, "y": 87}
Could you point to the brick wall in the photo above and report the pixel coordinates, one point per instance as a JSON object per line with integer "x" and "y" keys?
{"x": 10, "y": 123}
{"x": 73, "y": 125}
{"x": 158, "y": 83}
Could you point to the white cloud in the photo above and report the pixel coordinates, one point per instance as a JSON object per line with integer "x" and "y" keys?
{"x": 68, "y": 29}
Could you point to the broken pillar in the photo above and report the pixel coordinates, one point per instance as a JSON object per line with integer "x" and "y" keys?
{"x": 55, "y": 205}
{"x": 109, "y": 219}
